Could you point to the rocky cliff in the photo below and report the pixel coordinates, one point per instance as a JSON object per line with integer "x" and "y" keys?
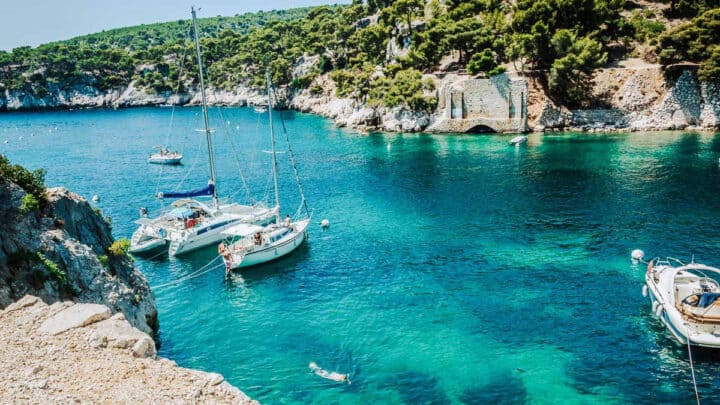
{"x": 636, "y": 96}
{"x": 630, "y": 96}
{"x": 78, "y": 317}
{"x": 62, "y": 252}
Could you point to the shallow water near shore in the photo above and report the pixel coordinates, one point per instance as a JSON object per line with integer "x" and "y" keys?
{"x": 456, "y": 269}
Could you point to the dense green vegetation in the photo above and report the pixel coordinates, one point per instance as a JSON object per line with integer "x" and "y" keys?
{"x": 32, "y": 182}
{"x": 698, "y": 41}
{"x": 561, "y": 42}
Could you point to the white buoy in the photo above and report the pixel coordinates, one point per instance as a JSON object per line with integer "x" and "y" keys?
{"x": 637, "y": 255}
{"x": 324, "y": 223}
{"x": 96, "y": 198}
{"x": 644, "y": 291}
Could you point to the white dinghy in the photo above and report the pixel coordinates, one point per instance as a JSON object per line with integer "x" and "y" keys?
{"x": 518, "y": 140}
{"x": 686, "y": 297}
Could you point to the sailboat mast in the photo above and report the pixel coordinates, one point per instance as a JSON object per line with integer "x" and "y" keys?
{"x": 208, "y": 135}
{"x": 272, "y": 143}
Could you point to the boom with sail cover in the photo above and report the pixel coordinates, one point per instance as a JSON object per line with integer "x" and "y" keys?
{"x": 207, "y": 190}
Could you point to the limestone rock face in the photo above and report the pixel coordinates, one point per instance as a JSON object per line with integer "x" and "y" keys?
{"x": 633, "y": 95}
{"x": 640, "y": 99}
{"x": 54, "y": 254}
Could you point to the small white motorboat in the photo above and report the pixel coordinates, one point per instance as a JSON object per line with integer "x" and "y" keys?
{"x": 686, "y": 297}
{"x": 260, "y": 109}
{"x": 165, "y": 157}
{"x": 248, "y": 245}
{"x": 518, "y": 140}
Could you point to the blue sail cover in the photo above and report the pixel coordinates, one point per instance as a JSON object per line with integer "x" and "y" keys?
{"x": 207, "y": 190}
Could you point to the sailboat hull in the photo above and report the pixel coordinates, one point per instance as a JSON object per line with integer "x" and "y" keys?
{"x": 273, "y": 251}
{"x": 165, "y": 160}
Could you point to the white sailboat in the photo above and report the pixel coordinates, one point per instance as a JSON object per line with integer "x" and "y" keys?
{"x": 249, "y": 245}
{"x": 686, "y": 297}
{"x": 191, "y": 224}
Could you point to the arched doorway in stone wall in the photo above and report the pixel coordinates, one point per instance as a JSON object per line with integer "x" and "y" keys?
{"x": 480, "y": 129}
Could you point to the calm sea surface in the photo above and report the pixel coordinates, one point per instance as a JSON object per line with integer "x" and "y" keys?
{"x": 456, "y": 269}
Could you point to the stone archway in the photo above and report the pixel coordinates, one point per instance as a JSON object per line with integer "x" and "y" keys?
{"x": 480, "y": 129}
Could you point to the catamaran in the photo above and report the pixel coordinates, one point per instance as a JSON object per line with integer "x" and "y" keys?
{"x": 249, "y": 245}
{"x": 192, "y": 224}
{"x": 686, "y": 297}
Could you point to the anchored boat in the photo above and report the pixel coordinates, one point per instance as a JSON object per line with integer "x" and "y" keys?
{"x": 686, "y": 297}
{"x": 248, "y": 245}
{"x": 518, "y": 140}
{"x": 165, "y": 157}
{"x": 191, "y": 224}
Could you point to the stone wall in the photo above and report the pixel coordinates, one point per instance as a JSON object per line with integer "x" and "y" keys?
{"x": 499, "y": 104}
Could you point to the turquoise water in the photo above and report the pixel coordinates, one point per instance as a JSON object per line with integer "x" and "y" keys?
{"x": 456, "y": 269}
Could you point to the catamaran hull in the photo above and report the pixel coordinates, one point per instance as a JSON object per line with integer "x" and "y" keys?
{"x": 191, "y": 243}
{"x": 148, "y": 246}
{"x": 673, "y": 319}
{"x": 214, "y": 234}
{"x": 273, "y": 252}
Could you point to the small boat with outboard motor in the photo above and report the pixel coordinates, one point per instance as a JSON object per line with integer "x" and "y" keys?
{"x": 518, "y": 140}
{"x": 686, "y": 298}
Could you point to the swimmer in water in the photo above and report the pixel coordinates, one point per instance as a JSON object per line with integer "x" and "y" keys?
{"x": 328, "y": 374}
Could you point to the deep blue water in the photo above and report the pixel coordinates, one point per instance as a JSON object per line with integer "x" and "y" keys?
{"x": 456, "y": 269}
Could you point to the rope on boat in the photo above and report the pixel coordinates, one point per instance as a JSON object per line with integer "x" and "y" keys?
{"x": 172, "y": 117}
{"x": 197, "y": 273}
{"x": 232, "y": 148}
{"x": 303, "y": 202}
{"x": 692, "y": 369}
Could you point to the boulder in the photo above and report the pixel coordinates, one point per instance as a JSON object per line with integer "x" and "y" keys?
{"x": 26, "y": 301}
{"x": 144, "y": 347}
{"x": 75, "y": 316}
{"x": 118, "y": 333}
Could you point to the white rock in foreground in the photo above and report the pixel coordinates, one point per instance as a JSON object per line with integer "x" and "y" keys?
{"x": 60, "y": 369}
{"x": 74, "y": 317}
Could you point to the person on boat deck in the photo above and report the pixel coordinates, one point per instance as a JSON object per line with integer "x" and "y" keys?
{"x": 287, "y": 220}
{"x": 190, "y": 223}
{"x": 258, "y": 239}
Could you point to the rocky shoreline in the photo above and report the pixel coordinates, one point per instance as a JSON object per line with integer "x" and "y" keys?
{"x": 633, "y": 96}
{"x": 79, "y": 317}
{"x": 68, "y": 352}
